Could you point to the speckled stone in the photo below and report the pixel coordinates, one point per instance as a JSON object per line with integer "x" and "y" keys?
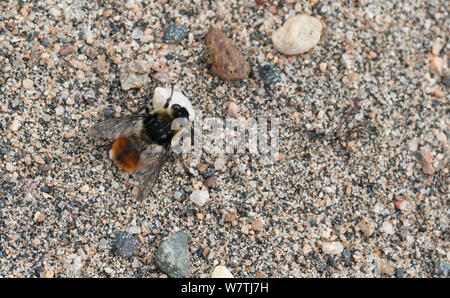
{"x": 126, "y": 244}
{"x": 270, "y": 74}
{"x": 175, "y": 33}
{"x": 172, "y": 256}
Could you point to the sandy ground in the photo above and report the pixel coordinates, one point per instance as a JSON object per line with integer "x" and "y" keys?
{"x": 62, "y": 200}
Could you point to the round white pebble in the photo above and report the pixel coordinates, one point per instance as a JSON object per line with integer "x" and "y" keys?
{"x": 298, "y": 34}
{"x": 332, "y": 248}
{"x": 387, "y": 228}
{"x": 221, "y": 272}
{"x": 200, "y": 197}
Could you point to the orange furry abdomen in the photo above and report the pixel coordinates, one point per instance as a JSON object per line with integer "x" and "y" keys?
{"x": 125, "y": 154}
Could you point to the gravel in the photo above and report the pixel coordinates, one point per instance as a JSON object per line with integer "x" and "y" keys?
{"x": 64, "y": 65}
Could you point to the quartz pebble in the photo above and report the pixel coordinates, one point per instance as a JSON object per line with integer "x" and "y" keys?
{"x": 221, "y": 272}
{"x": 332, "y": 248}
{"x": 15, "y": 125}
{"x": 27, "y": 84}
{"x": 227, "y": 62}
{"x": 199, "y": 197}
{"x": 298, "y": 34}
{"x": 388, "y": 228}
{"x": 367, "y": 226}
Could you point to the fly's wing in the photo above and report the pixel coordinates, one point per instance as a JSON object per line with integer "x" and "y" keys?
{"x": 149, "y": 167}
{"x": 116, "y": 127}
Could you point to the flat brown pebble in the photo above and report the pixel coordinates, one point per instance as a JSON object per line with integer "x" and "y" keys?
{"x": 257, "y": 225}
{"x": 229, "y": 217}
{"x": 202, "y": 167}
{"x": 211, "y": 182}
{"x": 66, "y": 49}
{"x": 227, "y": 62}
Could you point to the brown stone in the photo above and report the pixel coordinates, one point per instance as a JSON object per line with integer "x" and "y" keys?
{"x": 257, "y": 225}
{"x": 229, "y": 217}
{"x": 66, "y": 49}
{"x": 227, "y": 62}
{"x": 211, "y": 182}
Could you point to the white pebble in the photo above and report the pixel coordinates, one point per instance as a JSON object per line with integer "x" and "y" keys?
{"x": 59, "y": 110}
{"x": 221, "y": 272}
{"x": 10, "y": 167}
{"x": 134, "y": 230}
{"x": 27, "y": 84}
{"x": 332, "y": 248}
{"x": 84, "y": 188}
{"x": 15, "y": 125}
{"x": 298, "y": 34}
{"x": 200, "y": 197}
{"x": 55, "y": 12}
{"x": 219, "y": 164}
{"x": 387, "y": 228}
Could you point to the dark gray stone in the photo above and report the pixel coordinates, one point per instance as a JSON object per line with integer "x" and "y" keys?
{"x": 270, "y": 74}
{"x": 446, "y": 81}
{"x": 442, "y": 268}
{"x": 175, "y": 33}
{"x": 172, "y": 256}
{"x": 126, "y": 244}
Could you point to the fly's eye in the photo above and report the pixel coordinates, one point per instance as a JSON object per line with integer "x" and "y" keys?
{"x": 176, "y": 107}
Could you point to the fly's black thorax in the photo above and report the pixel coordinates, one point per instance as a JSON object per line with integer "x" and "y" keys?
{"x": 157, "y": 131}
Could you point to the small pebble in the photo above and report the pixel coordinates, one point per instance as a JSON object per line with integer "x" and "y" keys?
{"x": 219, "y": 164}
{"x": 137, "y": 33}
{"x": 134, "y": 75}
{"x": 332, "y": 248}
{"x": 232, "y": 109}
{"x": 427, "y": 163}
{"x": 199, "y": 197}
{"x": 229, "y": 217}
{"x": 173, "y": 257}
{"x": 39, "y": 217}
{"x": 221, "y": 272}
{"x": 27, "y": 84}
{"x": 270, "y": 74}
{"x": 388, "y": 228}
{"x": 177, "y": 195}
{"x": 175, "y": 33}
{"x": 126, "y": 244}
{"x": 134, "y": 230}
{"x": 367, "y": 226}
{"x": 227, "y": 62}
{"x": 437, "y": 65}
{"x": 39, "y": 160}
{"x": 10, "y": 167}
{"x": 257, "y": 225}
{"x": 66, "y": 49}
{"x": 15, "y": 126}
{"x": 298, "y": 34}
{"x": 211, "y": 182}
{"x": 402, "y": 205}
{"x": 385, "y": 268}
